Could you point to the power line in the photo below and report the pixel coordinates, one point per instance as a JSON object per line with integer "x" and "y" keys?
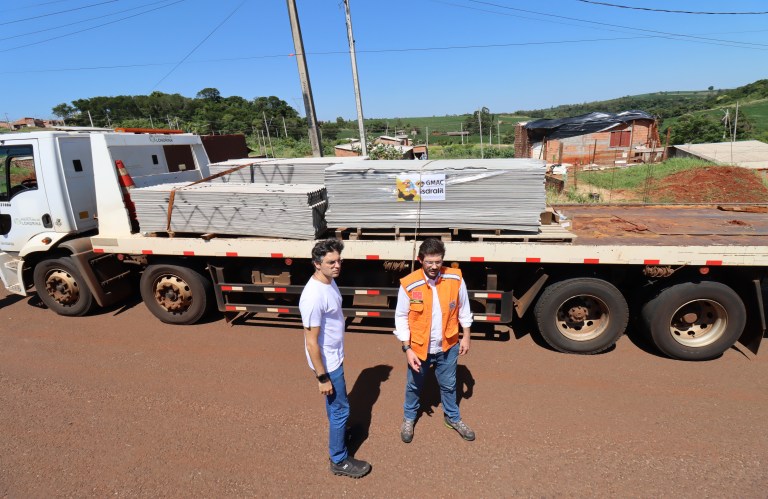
{"x": 91, "y": 28}
{"x": 80, "y": 22}
{"x": 674, "y": 11}
{"x": 57, "y": 13}
{"x": 199, "y": 44}
{"x": 662, "y": 34}
{"x": 26, "y": 7}
{"x": 337, "y": 52}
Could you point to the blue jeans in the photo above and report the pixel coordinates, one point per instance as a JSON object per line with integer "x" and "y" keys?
{"x": 445, "y": 372}
{"x": 337, "y": 408}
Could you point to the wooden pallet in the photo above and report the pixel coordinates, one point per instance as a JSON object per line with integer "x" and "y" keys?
{"x": 391, "y": 234}
{"x": 545, "y": 233}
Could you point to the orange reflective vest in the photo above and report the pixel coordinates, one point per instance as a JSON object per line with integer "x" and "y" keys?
{"x": 420, "y": 308}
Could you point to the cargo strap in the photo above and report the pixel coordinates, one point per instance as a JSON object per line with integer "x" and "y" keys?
{"x": 172, "y": 197}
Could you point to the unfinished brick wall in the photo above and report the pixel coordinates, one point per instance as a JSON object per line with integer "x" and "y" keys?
{"x": 594, "y": 147}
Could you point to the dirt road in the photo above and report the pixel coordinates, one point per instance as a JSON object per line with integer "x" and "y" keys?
{"x": 118, "y": 404}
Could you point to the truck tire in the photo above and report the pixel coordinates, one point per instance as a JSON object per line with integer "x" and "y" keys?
{"x": 61, "y": 287}
{"x": 695, "y": 321}
{"x": 582, "y": 315}
{"x": 175, "y": 294}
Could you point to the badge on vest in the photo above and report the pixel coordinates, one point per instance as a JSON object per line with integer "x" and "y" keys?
{"x": 452, "y": 305}
{"x": 416, "y": 297}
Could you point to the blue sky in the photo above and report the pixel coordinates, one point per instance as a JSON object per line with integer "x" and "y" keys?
{"x": 415, "y": 58}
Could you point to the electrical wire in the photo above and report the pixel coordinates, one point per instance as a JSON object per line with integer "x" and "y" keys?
{"x": 674, "y": 11}
{"x": 56, "y": 13}
{"x": 89, "y": 29}
{"x": 199, "y": 44}
{"x": 661, "y": 34}
{"x": 79, "y": 22}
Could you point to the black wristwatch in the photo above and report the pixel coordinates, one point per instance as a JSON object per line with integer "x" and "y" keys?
{"x": 323, "y": 378}
{"x": 406, "y": 348}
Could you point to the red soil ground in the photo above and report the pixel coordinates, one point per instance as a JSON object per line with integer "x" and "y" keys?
{"x": 719, "y": 184}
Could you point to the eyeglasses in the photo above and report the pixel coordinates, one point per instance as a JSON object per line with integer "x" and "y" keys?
{"x": 432, "y": 264}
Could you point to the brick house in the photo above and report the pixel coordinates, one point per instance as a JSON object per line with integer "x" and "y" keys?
{"x": 594, "y": 138}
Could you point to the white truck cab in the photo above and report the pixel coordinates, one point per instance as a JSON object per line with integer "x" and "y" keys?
{"x": 48, "y": 202}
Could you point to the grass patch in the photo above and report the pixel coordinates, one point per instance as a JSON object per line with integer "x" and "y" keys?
{"x": 634, "y": 177}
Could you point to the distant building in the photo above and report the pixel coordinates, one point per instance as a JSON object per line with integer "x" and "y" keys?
{"x": 594, "y": 138}
{"x": 401, "y": 142}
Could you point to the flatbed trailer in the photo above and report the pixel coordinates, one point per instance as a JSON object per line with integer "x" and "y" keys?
{"x": 690, "y": 276}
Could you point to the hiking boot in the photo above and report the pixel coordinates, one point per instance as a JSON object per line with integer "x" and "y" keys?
{"x": 406, "y": 430}
{"x": 461, "y": 428}
{"x": 351, "y": 467}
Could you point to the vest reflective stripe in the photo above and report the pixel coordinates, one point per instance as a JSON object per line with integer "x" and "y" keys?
{"x": 415, "y": 284}
{"x": 420, "y": 308}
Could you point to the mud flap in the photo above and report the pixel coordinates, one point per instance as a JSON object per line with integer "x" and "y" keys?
{"x": 755, "y": 328}
{"x": 11, "y": 273}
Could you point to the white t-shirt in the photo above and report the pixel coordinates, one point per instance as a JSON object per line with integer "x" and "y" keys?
{"x": 320, "y": 305}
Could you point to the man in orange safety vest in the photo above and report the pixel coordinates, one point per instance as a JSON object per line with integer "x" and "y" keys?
{"x": 431, "y": 303}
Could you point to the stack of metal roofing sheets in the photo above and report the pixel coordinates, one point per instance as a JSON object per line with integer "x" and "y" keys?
{"x": 278, "y": 171}
{"x": 505, "y": 194}
{"x": 289, "y": 211}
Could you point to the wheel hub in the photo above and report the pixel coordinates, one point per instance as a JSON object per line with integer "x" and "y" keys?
{"x": 698, "y": 323}
{"x": 582, "y": 318}
{"x": 173, "y": 293}
{"x": 62, "y": 287}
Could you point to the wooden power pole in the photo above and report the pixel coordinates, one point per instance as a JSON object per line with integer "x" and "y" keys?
{"x": 358, "y": 101}
{"x": 306, "y": 88}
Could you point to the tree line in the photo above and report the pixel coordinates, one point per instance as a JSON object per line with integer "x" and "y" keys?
{"x": 208, "y": 112}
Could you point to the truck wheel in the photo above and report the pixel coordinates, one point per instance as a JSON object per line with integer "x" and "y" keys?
{"x": 61, "y": 287}
{"x": 695, "y": 321}
{"x": 174, "y": 294}
{"x": 582, "y": 315}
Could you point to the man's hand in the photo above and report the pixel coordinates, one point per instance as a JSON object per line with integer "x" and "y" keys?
{"x": 464, "y": 344}
{"x": 413, "y": 360}
{"x": 325, "y": 388}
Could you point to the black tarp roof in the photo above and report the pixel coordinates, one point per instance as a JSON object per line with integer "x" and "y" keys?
{"x": 581, "y": 125}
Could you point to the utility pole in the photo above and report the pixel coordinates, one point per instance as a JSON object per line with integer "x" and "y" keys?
{"x": 10, "y": 127}
{"x": 285, "y": 129}
{"x": 306, "y": 88}
{"x": 90, "y": 118}
{"x": 356, "y": 82}
{"x": 480, "y": 121}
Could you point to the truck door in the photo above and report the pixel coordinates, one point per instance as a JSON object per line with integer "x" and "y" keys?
{"x": 23, "y": 205}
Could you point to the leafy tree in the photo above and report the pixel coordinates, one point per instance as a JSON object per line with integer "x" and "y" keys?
{"x": 63, "y": 110}
{"x": 209, "y": 94}
{"x": 696, "y": 129}
{"x": 484, "y": 116}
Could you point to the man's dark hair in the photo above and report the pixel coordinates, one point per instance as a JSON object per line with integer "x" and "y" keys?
{"x": 431, "y": 247}
{"x": 322, "y": 248}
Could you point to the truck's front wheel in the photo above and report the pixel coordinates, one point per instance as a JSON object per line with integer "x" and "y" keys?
{"x": 582, "y": 315}
{"x": 61, "y": 287}
{"x": 175, "y": 294}
{"x": 695, "y": 321}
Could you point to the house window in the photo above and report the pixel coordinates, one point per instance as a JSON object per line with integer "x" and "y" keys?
{"x": 620, "y": 139}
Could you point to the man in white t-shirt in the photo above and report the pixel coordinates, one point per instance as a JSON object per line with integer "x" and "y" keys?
{"x": 323, "y": 319}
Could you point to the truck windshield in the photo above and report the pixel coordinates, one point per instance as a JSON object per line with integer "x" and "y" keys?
{"x": 17, "y": 171}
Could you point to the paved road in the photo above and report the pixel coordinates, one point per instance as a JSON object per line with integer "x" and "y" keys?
{"x": 118, "y": 404}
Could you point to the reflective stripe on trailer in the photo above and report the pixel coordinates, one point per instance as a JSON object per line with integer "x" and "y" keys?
{"x": 276, "y": 255}
{"x": 234, "y": 308}
{"x": 278, "y": 310}
{"x": 189, "y": 253}
{"x": 368, "y": 314}
{"x": 488, "y": 318}
{"x": 367, "y": 292}
{"x": 476, "y": 258}
{"x": 487, "y": 295}
{"x": 275, "y": 290}
{"x": 231, "y": 253}
{"x": 231, "y": 288}
{"x": 652, "y": 262}
{"x": 714, "y": 263}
